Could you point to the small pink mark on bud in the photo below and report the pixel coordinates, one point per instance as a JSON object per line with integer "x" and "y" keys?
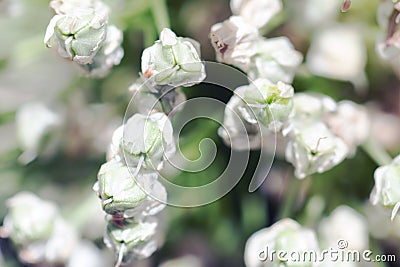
{"x": 346, "y": 5}
{"x": 148, "y": 73}
{"x": 72, "y": 25}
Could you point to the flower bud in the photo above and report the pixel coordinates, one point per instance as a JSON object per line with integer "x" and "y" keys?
{"x": 312, "y": 106}
{"x": 387, "y": 186}
{"x": 312, "y": 148}
{"x": 79, "y": 36}
{"x": 150, "y": 137}
{"x": 118, "y": 189}
{"x": 255, "y": 12}
{"x": 135, "y": 239}
{"x": 286, "y": 236}
{"x": 233, "y": 41}
{"x": 274, "y": 59}
{"x": 108, "y": 56}
{"x": 65, "y": 7}
{"x": 173, "y": 61}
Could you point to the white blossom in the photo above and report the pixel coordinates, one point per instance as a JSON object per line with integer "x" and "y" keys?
{"x": 173, "y": 61}
{"x": 77, "y": 36}
{"x": 351, "y": 123}
{"x": 274, "y": 59}
{"x": 148, "y": 136}
{"x": 286, "y": 235}
{"x": 313, "y": 148}
{"x": 233, "y": 41}
{"x": 255, "y": 12}
{"x": 34, "y": 122}
{"x": 332, "y": 230}
{"x": 312, "y": 106}
{"x": 338, "y": 52}
{"x": 64, "y": 7}
{"x": 108, "y": 56}
{"x": 387, "y": 186}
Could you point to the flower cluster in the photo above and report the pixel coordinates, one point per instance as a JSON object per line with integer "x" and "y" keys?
{"x": 317, "y": 128}
{"x": 80, "y": 32}
{"x": 128, "y": 184}
{"x": 37, "y": 229}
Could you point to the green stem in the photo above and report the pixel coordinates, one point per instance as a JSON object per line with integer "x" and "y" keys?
{"x": 376, "y": 152}
{"x": 291, "y": 197}
{"x": 160, "y": 14}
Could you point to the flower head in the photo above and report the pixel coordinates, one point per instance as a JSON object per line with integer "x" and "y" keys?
{"x": 233, "y": 41}
{"x": 286, "y": 235}
{"x": 173, "y": 61}
{"x": 274, "y": 59}
{"x": 64, "y": 7}
{"x": 256, "y": 13}
{"x": 79, "y": 36}
{"x": 109, "y": 55}
{"x": 387, "y": 186}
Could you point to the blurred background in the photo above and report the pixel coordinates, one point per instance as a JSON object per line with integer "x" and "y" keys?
{"x": 62, "y": 166}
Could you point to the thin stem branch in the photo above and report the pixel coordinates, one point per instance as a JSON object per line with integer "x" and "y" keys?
{"x": 160, "y": 14}
{"x": 291, "y": 197}
{"x": 120, "y": 255}
{"x": 376, "y": 152}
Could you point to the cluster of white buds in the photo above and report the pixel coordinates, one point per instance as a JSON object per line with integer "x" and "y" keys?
{"x": 36, "y": 228}
{"x": 80, "y": 32}
{"x": 128, "y": 184}
{"x": 238, "y": 42}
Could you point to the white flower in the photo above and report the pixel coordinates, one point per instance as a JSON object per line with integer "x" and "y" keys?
{"x": 150, "y": 137}
{"x": 338, "y": 52}
{"x": 64, "y": 7}
{"x": 312, "y": 106}
{"x": 34, "y": 122}
{"x": 108, "y": 56}
{"x": 255, "y": 12}
{"x": 314, "y": 13}
{"x": 78, "y": 36}
{"x": 351, "y": 123}
{"x": 133, "y": 240}
{"x": 312, "y": 148}
{"x": 233, "y": 41}
{"x": 173, "y": 61}
{"x": 286, "y": 235}
{"x": 36, "y": 228}
{"x": 275, "y": 59}
{"x": 387, "y": 186}
{"x": 346, "y": 224}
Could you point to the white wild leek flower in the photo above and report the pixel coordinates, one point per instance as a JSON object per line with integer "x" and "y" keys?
{"x": 35, "y": 122}
{"x": 286, "y": 235}
{"x": 148, "y": 138}
{"x": 78, "y": 36}
{"x": 134, "y": 240}
{"x": 108, "y": 56}
{"x": 312, "y": 106}
{"x": 121, "y": 192}
{"x": 274, "y": 59}
{"x": 233, "y": 41}
{"x": 65, "y": 7}
{"x": 355, "y": 233}
{"x": 313, "y": 148}
{"x": 173, "y": 61}
{"x": 387, "y": 186}
{"x": 38, "y": 231}
{"x": 338, "y": 52}
{"x": 256, "y": 13}
{"x": 351, "y": 123}
{"x": 271, "y": 103}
